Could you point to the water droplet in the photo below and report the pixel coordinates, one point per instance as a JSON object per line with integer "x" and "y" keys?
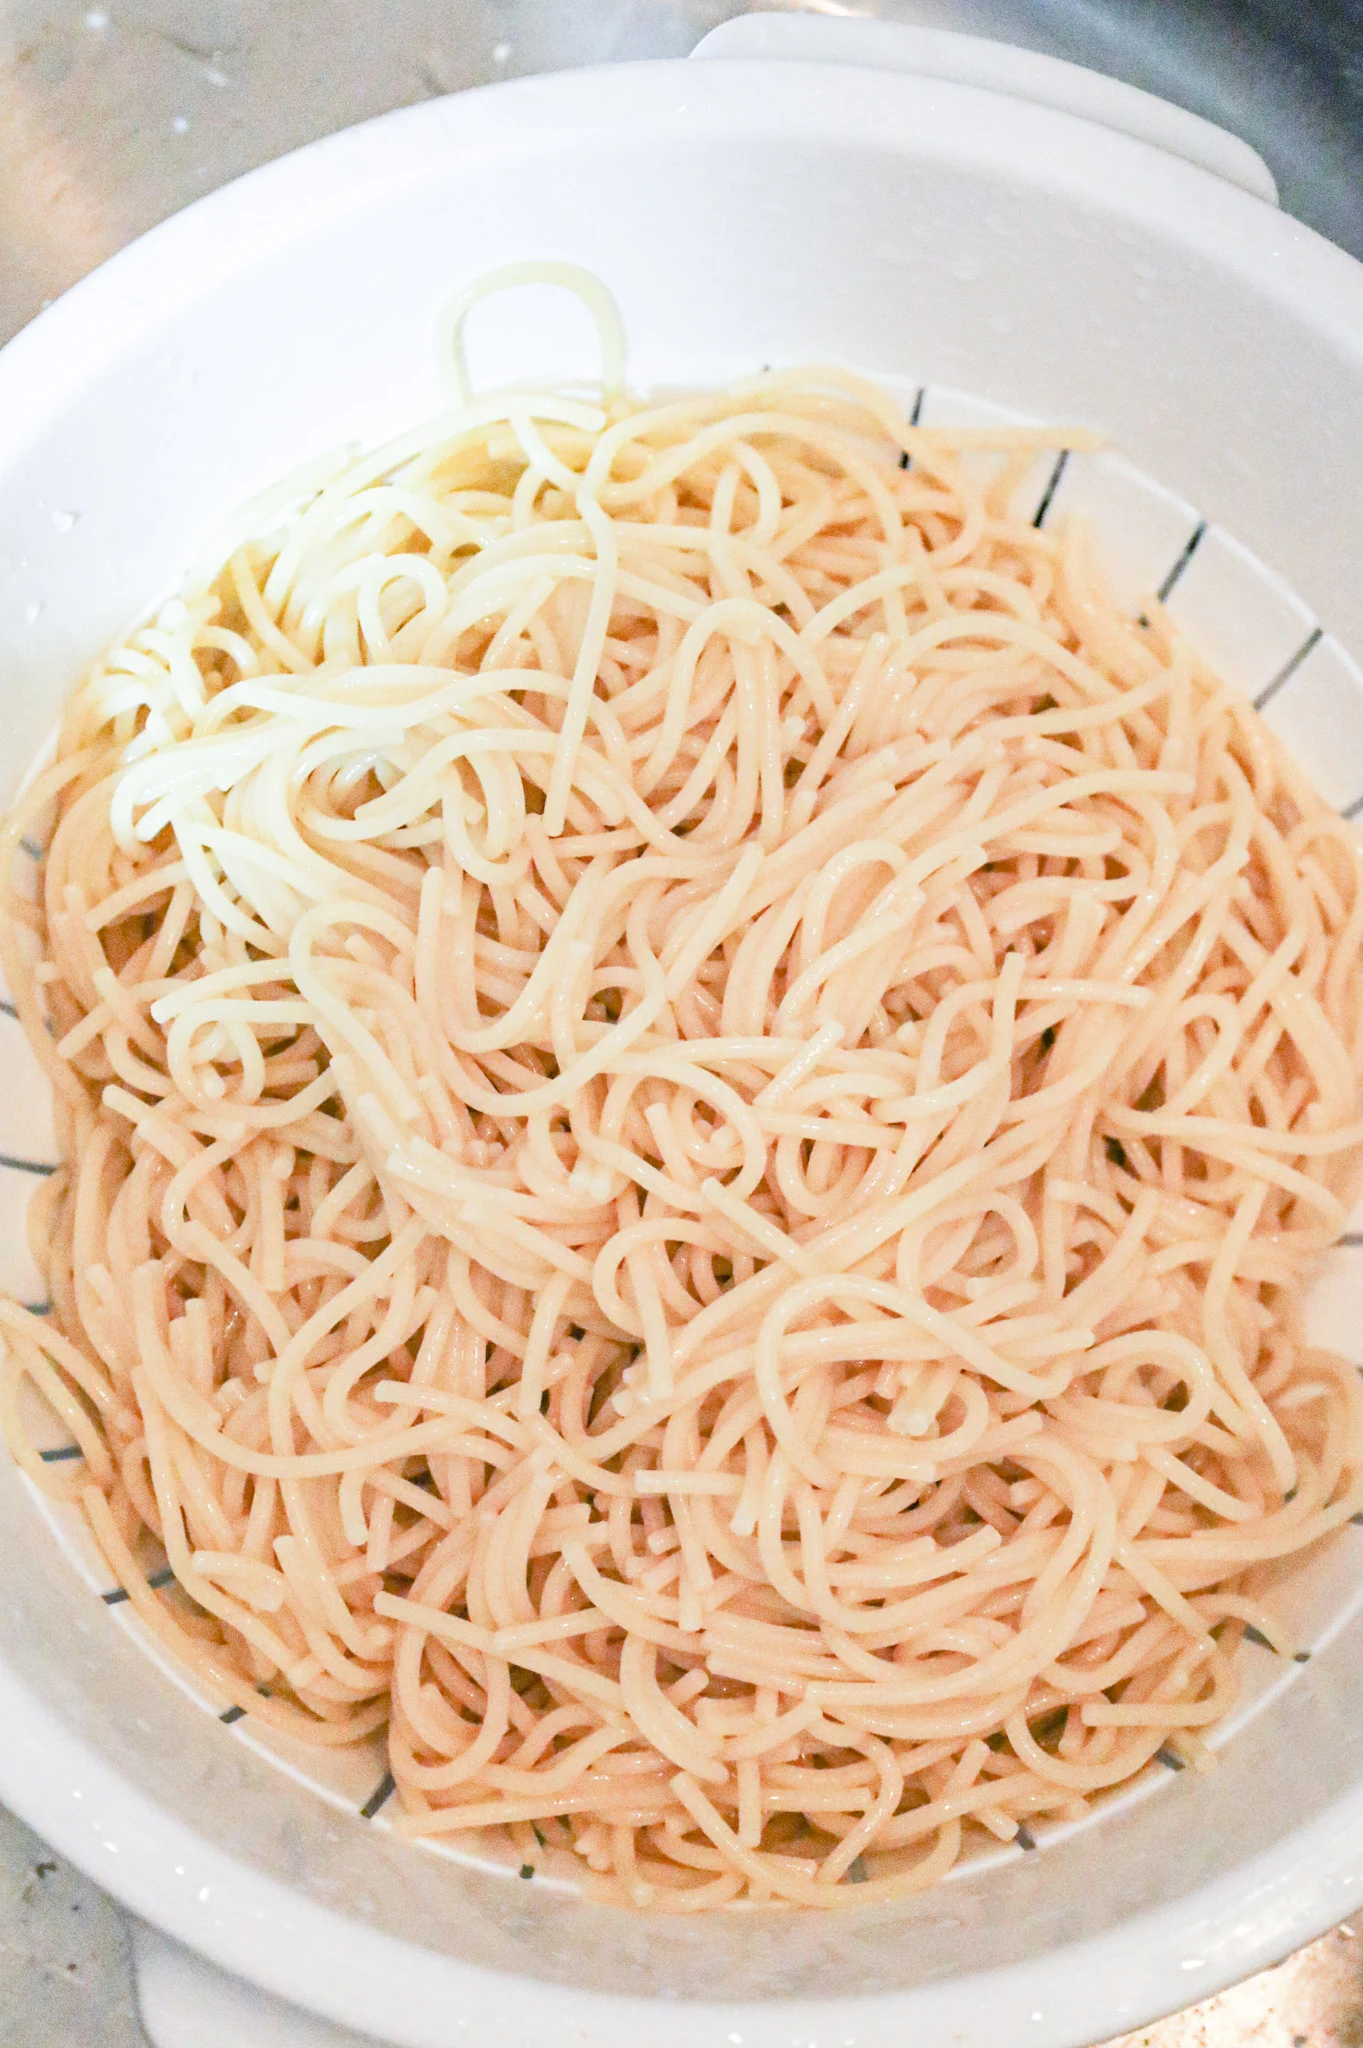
{"x": 97, "y": 19}
{"x": 500, "y": 53}
{"x": 179, "y": 126}
{"x": 64, "y": 521}
{"x": 33, "y": 612}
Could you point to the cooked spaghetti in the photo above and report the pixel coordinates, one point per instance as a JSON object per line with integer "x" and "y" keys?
{"x": 697, "y": 1093}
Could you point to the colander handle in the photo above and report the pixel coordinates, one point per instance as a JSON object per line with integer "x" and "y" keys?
{"x": 999, "y": 67}
{"x": 187, "y": 2002}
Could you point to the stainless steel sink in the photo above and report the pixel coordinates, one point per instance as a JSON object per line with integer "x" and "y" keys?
{"x": 114, "y": 113}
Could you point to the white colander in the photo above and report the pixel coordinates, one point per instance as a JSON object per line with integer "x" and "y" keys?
{"x": 1035, "y": 243}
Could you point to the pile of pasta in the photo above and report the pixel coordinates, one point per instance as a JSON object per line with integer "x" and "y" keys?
{"x": 697, "y": 1092}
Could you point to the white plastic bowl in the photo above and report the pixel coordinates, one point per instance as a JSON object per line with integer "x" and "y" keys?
{"x": 742, "y": 212}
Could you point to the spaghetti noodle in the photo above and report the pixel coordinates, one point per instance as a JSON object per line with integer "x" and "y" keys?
{"x": 697, "y": 1092}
